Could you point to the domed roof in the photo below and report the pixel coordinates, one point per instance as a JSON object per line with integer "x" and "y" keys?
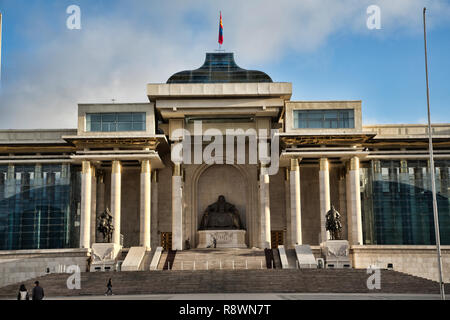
{"x": 219, "y": 67}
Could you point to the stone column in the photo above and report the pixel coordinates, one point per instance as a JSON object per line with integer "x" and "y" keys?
{"x": 377, "y": 174}
{"x": 100, "y": 196}
{"x": 10, "y": 182}
{"x": 343, "y": 202}
{"x": 376, "y": 236}
{"x": 444, "y": 181}
{"x": 116, "y": 177}
{"x": 145, "y": 199}
{"x": 264, "y": 207}
{"x": 177, "y": 208}
{"x": 423, "y": 235}
{"x": 93, "y": 205}
{"x": 65, "y": 174}
{"x": 37, "y": 176}
{"x": 296, "y": 224}
{"x": 287, "y": 202}
{"x": 86, "y": 192}
{"x": 10, "y": 190}
{"x": 406, "y": 223}
{"x": 325, "y": 204}
{"x": 154, "y": 240}
{"x": 354, "y": 203}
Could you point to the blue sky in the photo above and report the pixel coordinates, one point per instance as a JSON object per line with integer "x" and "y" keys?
{"x": 323, "y": 47}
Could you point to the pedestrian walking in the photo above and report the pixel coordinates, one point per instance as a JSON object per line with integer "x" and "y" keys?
{"x": 109, "y": 286}
{"x": 38, "y": 291}
{"x": 23, "y": 293}
{"x": 88, "y": 264}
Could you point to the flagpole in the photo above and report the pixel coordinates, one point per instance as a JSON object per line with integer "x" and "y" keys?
{"x": 433, "y": 182}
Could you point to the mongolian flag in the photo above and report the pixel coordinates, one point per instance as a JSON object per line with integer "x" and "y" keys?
{"x": 220, "y": 30}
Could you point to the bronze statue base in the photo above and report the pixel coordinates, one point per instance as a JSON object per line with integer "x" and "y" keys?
{"x": 224, "y": 239}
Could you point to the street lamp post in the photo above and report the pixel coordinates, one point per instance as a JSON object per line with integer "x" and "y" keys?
{"x": 433, "y": 182}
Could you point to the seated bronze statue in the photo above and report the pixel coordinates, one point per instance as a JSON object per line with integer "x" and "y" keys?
{"x": 221, "y": 215}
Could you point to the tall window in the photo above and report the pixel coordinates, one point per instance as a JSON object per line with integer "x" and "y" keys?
{"x": 397, "y": 205}
{"x": 113, "y": 122}
{"x": 324, "y": 119}
{"x": 38, "y": 206}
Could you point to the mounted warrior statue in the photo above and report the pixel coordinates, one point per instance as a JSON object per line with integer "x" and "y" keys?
{"x": 105, "y": 225}
{"x": 333, "y": 224}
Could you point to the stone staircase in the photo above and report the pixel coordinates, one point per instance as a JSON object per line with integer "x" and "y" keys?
{"x": 218, "y": 259}
{"x": 230, "y": 281}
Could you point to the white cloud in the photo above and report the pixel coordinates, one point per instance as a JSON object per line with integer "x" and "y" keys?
{"x": 115, "y": 55}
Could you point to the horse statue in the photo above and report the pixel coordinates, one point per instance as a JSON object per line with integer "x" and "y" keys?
{"x": 105, "y": 225}
{"x": 333, "y": 224}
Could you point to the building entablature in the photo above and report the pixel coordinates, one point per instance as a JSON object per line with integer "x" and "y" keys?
{"x": 223, "y": 109}
{"x": 326, "y": 139}
{"x": 112, "y": 141}
{"x": 99, "y": 156}
{"x": 408, "y": 131}
{"x": 158, "y": 91}
{"x": 343, "y": 154}
{"x": 34, "y": 142}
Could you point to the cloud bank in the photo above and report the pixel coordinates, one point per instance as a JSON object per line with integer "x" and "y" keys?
{"x": 123, "y": 46}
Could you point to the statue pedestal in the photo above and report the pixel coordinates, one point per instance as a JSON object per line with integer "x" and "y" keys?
{"x": 104, "y": 256}
{"x": 336, "y": 253}
{"x": 225, "y": 238}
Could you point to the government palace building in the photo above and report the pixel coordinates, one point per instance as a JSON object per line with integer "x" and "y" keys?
{"x": 220, "y": 157}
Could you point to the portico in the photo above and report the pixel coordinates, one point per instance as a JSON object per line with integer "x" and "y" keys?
{"x": 105, "y": 161}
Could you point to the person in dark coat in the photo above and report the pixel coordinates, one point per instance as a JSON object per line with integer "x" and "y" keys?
{"x": 38, "y": 292}
{"x": 109, "y": 286}
{"x": 23, "y": 293}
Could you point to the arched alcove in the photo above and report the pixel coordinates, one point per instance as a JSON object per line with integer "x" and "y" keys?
{"x": 231, "y": 181}
{"x": 221, "y": 180}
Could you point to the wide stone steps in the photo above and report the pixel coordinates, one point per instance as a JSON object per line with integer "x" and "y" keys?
{"x": 231, "y": 281}
{"x": 218, "y": 259}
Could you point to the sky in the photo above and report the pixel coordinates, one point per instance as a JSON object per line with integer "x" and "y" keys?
{"x": 323, "y": 47}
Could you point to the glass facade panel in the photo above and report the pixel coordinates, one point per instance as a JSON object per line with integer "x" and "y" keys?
{"x": 324, "y": 119}
{"x": 124, "y": 117}
{"x": 124, "y": 126}
{"x": 38, "y": 207}
{"x": 138, "y": 126}
{"x": 113, "y": 122}
{"x": 396, "y": 202}
{"x": 138, "y": 117}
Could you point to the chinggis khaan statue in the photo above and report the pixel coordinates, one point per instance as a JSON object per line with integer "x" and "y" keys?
{"x": 221, "y": 215}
